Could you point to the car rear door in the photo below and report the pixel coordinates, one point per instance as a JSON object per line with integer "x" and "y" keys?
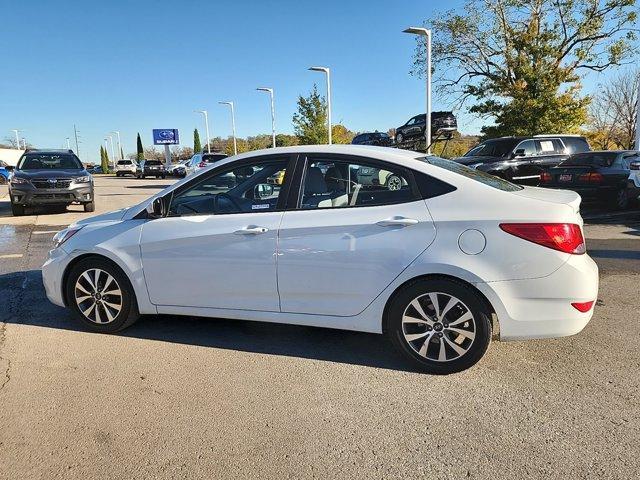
{"x": 344, "y": 242}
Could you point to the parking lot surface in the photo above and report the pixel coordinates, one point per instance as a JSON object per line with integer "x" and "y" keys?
{"x": 181, "y": 397}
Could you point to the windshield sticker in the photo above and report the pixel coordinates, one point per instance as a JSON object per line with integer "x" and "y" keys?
{"x": 260, "y": 206}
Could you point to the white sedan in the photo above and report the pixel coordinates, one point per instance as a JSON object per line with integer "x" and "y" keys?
{"x": 435, "y": 264}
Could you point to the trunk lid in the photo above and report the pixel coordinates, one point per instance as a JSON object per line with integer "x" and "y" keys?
{"x": 560, "y": 197}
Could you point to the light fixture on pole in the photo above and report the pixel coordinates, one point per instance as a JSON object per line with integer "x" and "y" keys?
{"x": 113, "y": 155}
{"x": 427, "y": 35}
{"x": 233, "y": 125}
{"x": 119, "y": 145}
{"x": 206, "y": 124}
{"x": 273, "y": 114}
{"x": 327, "y": 71}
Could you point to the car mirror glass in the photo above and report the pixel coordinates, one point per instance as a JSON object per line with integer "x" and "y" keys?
{"x": 156, "y": 208}
{"x": 518, "y": 153}
{"x": 263, "y": 190}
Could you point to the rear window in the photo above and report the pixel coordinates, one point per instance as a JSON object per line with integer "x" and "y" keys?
{"x": 493, "y": 148}
{"x": 49, "y": 161}
{"x": 576, "y": 144}
{"x": 153, "y": 162}
{"x": 476, "y": 175}
{"x": 592, "y": 159}
{"x": 124, "y": 162}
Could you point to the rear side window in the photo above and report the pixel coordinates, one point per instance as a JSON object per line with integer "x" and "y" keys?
{"x": 576, "y": 145}
{"x": 476, "y": 175}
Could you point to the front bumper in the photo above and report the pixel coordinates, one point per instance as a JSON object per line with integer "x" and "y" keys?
{"x": 541, "y": 307}
{"x": 49, "y": 196}
{"x": 52, "y": 271}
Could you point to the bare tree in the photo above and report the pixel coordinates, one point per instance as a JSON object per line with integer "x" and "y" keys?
{"x": 613, "y": 111}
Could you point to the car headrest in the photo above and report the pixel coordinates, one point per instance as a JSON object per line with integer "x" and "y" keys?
{"x": 314, "y": 183}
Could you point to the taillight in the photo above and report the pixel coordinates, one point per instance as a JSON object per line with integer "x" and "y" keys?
{"x": 565, "y": 237}
{"x": 545, "y": 177}
{"x": 202, "y": 164}
{"x": 634, "y": 166}
{"x": 591, "y": 178}
{"x": 582, "y": 307}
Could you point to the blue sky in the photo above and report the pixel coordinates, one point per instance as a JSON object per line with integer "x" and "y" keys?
{"x": 136, "y": 65}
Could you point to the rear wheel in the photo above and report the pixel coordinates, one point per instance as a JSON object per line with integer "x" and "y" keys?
{"x": 622, "y": 199}
{"x": 89, "y": 207}
{"x": 101, "y": 296}
{"x": 440, "y": 325}
{"x": 17, "y": 210}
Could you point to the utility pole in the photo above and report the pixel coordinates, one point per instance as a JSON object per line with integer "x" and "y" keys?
{"x": 75, "y": 133}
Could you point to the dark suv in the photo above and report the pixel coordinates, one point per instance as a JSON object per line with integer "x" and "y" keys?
{"x": 523, "y": 159}
{"x": 150, "y": 168}
{"x": 50, "y": 177}
{"x": 379, "y": 139}
{"x": 441, "y": 123}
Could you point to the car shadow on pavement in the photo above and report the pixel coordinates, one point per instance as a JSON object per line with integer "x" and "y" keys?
{"x": 28, "y": 305}
{"x": 153, "y": 186}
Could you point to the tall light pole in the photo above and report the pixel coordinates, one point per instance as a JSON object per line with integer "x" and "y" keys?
{"x": 17, "y": 132}
{"x": 24, "y": 143}
{"x": 273, "y": 114}
{"x": 119, "y": 145}
{"x": 638, "y": 121}
{"x": 206, "y": 124}
{"x": 328, "y": 72}
{"x": 427, "y": 37}
{"x": 113, "y": 155}
{"x": 75, "y": 133}
{"x": 106, "y": 150}
{"x": 233, "y": 125}
{"x": 68, "y": 144}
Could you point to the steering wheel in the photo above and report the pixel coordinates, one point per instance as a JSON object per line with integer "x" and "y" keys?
{"x": 231, "y": 200}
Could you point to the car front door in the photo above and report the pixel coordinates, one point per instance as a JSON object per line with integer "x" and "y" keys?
{"x": 217, "y": 245}
{"x": 346, "y": 241}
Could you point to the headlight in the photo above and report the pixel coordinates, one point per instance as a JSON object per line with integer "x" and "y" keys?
{"x": 64, "y": 235}
{"x": 18, "y": 180}
{"x": 84, "y": 179}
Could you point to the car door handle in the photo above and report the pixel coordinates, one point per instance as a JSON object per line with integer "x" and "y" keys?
{"x": 397, "y": 222}
{"x": 251, "y": 230}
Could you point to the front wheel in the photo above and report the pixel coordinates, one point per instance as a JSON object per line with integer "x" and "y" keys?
{"x": 89, "y": 207}
{"x": 440, "y": 325}
{"x": 399, "y": 138}
{"x": 17, "y": 210}
{"x": 101, "y": 296}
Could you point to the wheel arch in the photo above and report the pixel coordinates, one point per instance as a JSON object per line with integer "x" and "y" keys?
{"x": 440, "y": 276}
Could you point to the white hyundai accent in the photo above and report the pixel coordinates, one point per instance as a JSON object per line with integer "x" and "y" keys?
{"x": 435, "y": 260}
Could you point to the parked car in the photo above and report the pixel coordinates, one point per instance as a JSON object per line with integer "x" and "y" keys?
{"x": 523, "y": 159}
{"x": 5, "y": 172}
{"x": 379, "y": 139}
{"x": 179, "y": 169}
{"x": 325, "y": 252}
{"x": 441, "y": 123}
{"x": 94, "y": 170}
{"x": 125, "y": 167}
{"x": 50, "y": 177}
{"x": 202, "y": 160}
{"x": 150, "y": 168}
{"x": 604, "y": 177}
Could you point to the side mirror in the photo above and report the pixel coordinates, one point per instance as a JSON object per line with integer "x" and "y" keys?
{"x": 263, "y": 190}
{"x": 518, "y": 153}
{"x": 157, "y": 208}
{"x": 632, "y": 166}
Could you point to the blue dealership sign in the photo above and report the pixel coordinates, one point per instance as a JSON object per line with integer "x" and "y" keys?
{"x": 165, "y": 136}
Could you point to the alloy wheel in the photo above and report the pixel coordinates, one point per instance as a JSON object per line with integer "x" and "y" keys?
{"x": 394, "y": 183}
{"x": 438, "y": 327}
{"x": 98, "y": 296}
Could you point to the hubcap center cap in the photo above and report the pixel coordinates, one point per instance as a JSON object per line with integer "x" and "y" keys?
{"x": 437, "y": 327}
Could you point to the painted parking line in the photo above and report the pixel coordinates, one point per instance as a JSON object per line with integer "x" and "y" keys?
{"x": 11, "y": 255}
{"x": 44, "y": 232}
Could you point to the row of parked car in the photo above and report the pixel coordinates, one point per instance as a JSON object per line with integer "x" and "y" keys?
{"x": 157, "y": 168}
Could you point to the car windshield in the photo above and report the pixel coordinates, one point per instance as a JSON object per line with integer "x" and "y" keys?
{"x": 49, "y": 161}
{"x": 591, "y": 159}
{"x": 473, "y": 174}
{"x": 493, "y": 148}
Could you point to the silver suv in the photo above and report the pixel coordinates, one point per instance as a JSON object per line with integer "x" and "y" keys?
{"x": 51, "y": 177}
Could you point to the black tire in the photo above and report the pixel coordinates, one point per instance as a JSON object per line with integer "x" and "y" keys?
{"x": 394, "y": 182}
{"x": 423, "y": 357}
{"x": 399, "y": 138}
{"x": 17, "y": 210}
{"x": 89, "y": 207}
{"x": 142, "y": 176}
{"x": 117, "y": 174}
{"x": 3, "y": 181}
{"x": 164, "y": 176}
{"x": 128, "y": 313}
{"x": 621, "y": 199}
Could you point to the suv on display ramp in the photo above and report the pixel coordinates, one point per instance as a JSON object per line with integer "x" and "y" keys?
{"x": 50, "y": 177}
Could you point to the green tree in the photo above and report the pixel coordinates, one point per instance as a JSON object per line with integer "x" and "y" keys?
{"x": 310, "y": 121}
{"x": 104, "y": 160}
{"x": 520, "y": 62}
{"x": 341, "y": 134}
{"x": 139, "y": 149}
{"x": 284, "y": 140}
{"x": 197, "y": 147}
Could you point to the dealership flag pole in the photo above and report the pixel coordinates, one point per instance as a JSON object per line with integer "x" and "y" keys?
{"x": 638, "y": 120}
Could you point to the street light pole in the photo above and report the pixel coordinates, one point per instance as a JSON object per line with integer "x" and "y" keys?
{"x": 113, "y": 155}
{"x": 233, "y": 125}
{"x": 206, "y": 124}
{"x": 68, "y": 144}
{"x": 273, "y": 114}
{"x": 327, "y": 71}
{"x": 17, "y": 137}
{"x": 638, "y": 121}
{"x": 119, "y": 145}
{"x": 427, "y": 34}
{"x": 24, "y": 143}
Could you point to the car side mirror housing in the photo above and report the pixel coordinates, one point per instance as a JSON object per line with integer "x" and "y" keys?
{"x": 263, "y": 190}
{"x": 157, "y": 208}
{"x": 518, "y": 153}
{"x": 9, "y": 168}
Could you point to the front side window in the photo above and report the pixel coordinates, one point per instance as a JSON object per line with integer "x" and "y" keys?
{"x": 49, "y": 161}
{"x": 331, "y": 183}
{"x": 246, "y": 188}
{"x": 529, "y": 148}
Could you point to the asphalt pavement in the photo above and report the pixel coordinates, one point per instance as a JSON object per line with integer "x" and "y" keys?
{"x": 182, "y": 397}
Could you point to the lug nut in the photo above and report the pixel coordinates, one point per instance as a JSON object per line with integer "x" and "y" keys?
{"x": 440, "y": 334}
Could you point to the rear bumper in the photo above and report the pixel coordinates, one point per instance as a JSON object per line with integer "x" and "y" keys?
{"x": 44, "y": 196}
{"x": 541, "y": 307}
